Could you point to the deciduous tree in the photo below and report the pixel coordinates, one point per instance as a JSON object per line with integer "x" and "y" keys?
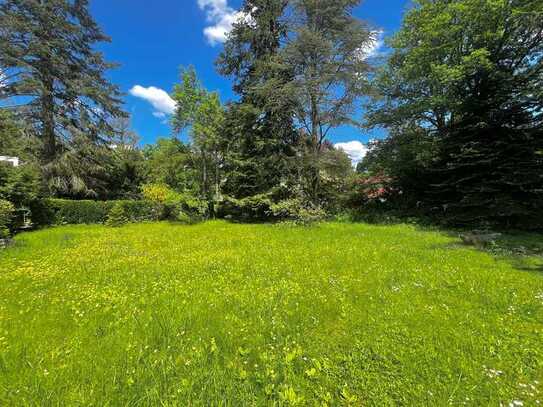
{"x": 470, "y": 73}
{"x": 327, "y": 56}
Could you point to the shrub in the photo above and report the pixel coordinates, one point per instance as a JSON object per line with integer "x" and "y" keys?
{"x": 64, "y": 211}
{"x": 79, "y": 212}
{"x": 7, "y": 212}
{"x": 160, "y": 193}
{"x": 194, "y": 207}
{"x": 252, "y": 208}
{"x": 141, "y": 211}
{"x": 166, "y": 199}
{"x": 171, "y": 203}
{"x": 295, "y": 210}
{"x": 42, "y": 212}
{"x": 22, "y": 187}
{"x": 19, "y": 185}
{"x": 117, "y": 216}
{"x": 185, "y": 218}
{"x": 372, "y": 189}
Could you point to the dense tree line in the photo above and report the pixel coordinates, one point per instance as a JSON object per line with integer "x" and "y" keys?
{"x": 460, "y": 95}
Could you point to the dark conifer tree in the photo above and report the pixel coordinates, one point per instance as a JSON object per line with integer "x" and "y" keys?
{"x": 470, "y": 73}
{"x": 260, "y": 136}
{"x": 52, "y": 76}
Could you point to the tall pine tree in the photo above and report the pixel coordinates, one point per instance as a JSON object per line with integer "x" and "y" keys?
{"x": 260, "y": 136}
{"x": 53, "y": 77}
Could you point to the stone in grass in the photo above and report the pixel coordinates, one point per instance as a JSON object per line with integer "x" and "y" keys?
{"x": 479, "y": 239}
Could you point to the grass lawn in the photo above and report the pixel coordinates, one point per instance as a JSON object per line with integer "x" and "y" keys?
{"x": 226, "y": 314}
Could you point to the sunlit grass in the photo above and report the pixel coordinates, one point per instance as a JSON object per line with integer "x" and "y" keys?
{"x": 259, "y": 314}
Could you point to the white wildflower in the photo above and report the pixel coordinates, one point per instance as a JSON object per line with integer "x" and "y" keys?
{"x": 492, "y": 373}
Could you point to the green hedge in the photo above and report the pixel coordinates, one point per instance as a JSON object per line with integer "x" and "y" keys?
{"x": 141, "y": 211}
{"x": 77, "y": 212}
{"x": 64, "y": 211}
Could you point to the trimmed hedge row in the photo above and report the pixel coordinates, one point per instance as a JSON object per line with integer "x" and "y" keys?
{"x": 64, "y": 211}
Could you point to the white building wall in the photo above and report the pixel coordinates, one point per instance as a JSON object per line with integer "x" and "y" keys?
{"x": 12, "y": 160}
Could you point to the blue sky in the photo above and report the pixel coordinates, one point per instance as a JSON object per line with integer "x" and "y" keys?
{"x": 151, "y": 39}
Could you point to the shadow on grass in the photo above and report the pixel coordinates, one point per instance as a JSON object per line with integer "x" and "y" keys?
{"x": 524, "y": 251}
{"x": 530, "y": 264}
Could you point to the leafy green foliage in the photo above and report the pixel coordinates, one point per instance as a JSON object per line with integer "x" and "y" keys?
{"x": 20, "y": 185}
{"x": 464, "y": 72}
{"x": 160, "y": 193}
{"x": 405, "y": 158}
{"x": 260, "y": 151}
{"x": 7, "y": 212}
{"x": 259, "y": 135}
{"x": 127, "y": 169}
{"x": 170, "y": 162}
{"x": 66, "y": 211}
{"x": 204, "y": 113}
{"x": 117, "y": 216}
{"x": 81, "y": 171}
{"x": 140, "y": 210}
{"x": 14, "y": 141}
{"x": 173, "y": 203}
{"x": 185, "y": 218}
{"x": 297, "y": 212}
{"x": 252, "y": 208}
{"x": 328, "y": 64}
{"x": 188, "y": 96}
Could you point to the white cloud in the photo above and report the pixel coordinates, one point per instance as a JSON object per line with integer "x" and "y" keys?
{"x": 354, "y": 149}
{"x": 373, "y": 48}
{"x": 221, "y": 17}
{"x": 159, "y": 115}
{"x": 159, "y": 99}
{"x": 3, "y": 79}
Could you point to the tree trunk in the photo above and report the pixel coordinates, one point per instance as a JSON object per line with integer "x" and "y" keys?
{"x": 204, "y": 176}
{"x": 48, "y": 120}
{"x": 315, "y": 147}
{"x": 217, "y": 182}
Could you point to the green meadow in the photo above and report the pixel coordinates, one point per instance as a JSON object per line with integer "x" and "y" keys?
{"x": 234, "y": 314}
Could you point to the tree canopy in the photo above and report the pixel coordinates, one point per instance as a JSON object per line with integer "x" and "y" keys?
{"x": 52, "y": 75}
{"x": 458, "y": 95}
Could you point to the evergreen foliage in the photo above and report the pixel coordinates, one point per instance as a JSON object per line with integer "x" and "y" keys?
{"x": 260, "y": 135}
{"x": 460, "y": 96}
{"x": 7, "y": 212}
{"x": 116, "y": 216}
{"x": 470, "y": 74}
{"x": 55, "y": 78}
